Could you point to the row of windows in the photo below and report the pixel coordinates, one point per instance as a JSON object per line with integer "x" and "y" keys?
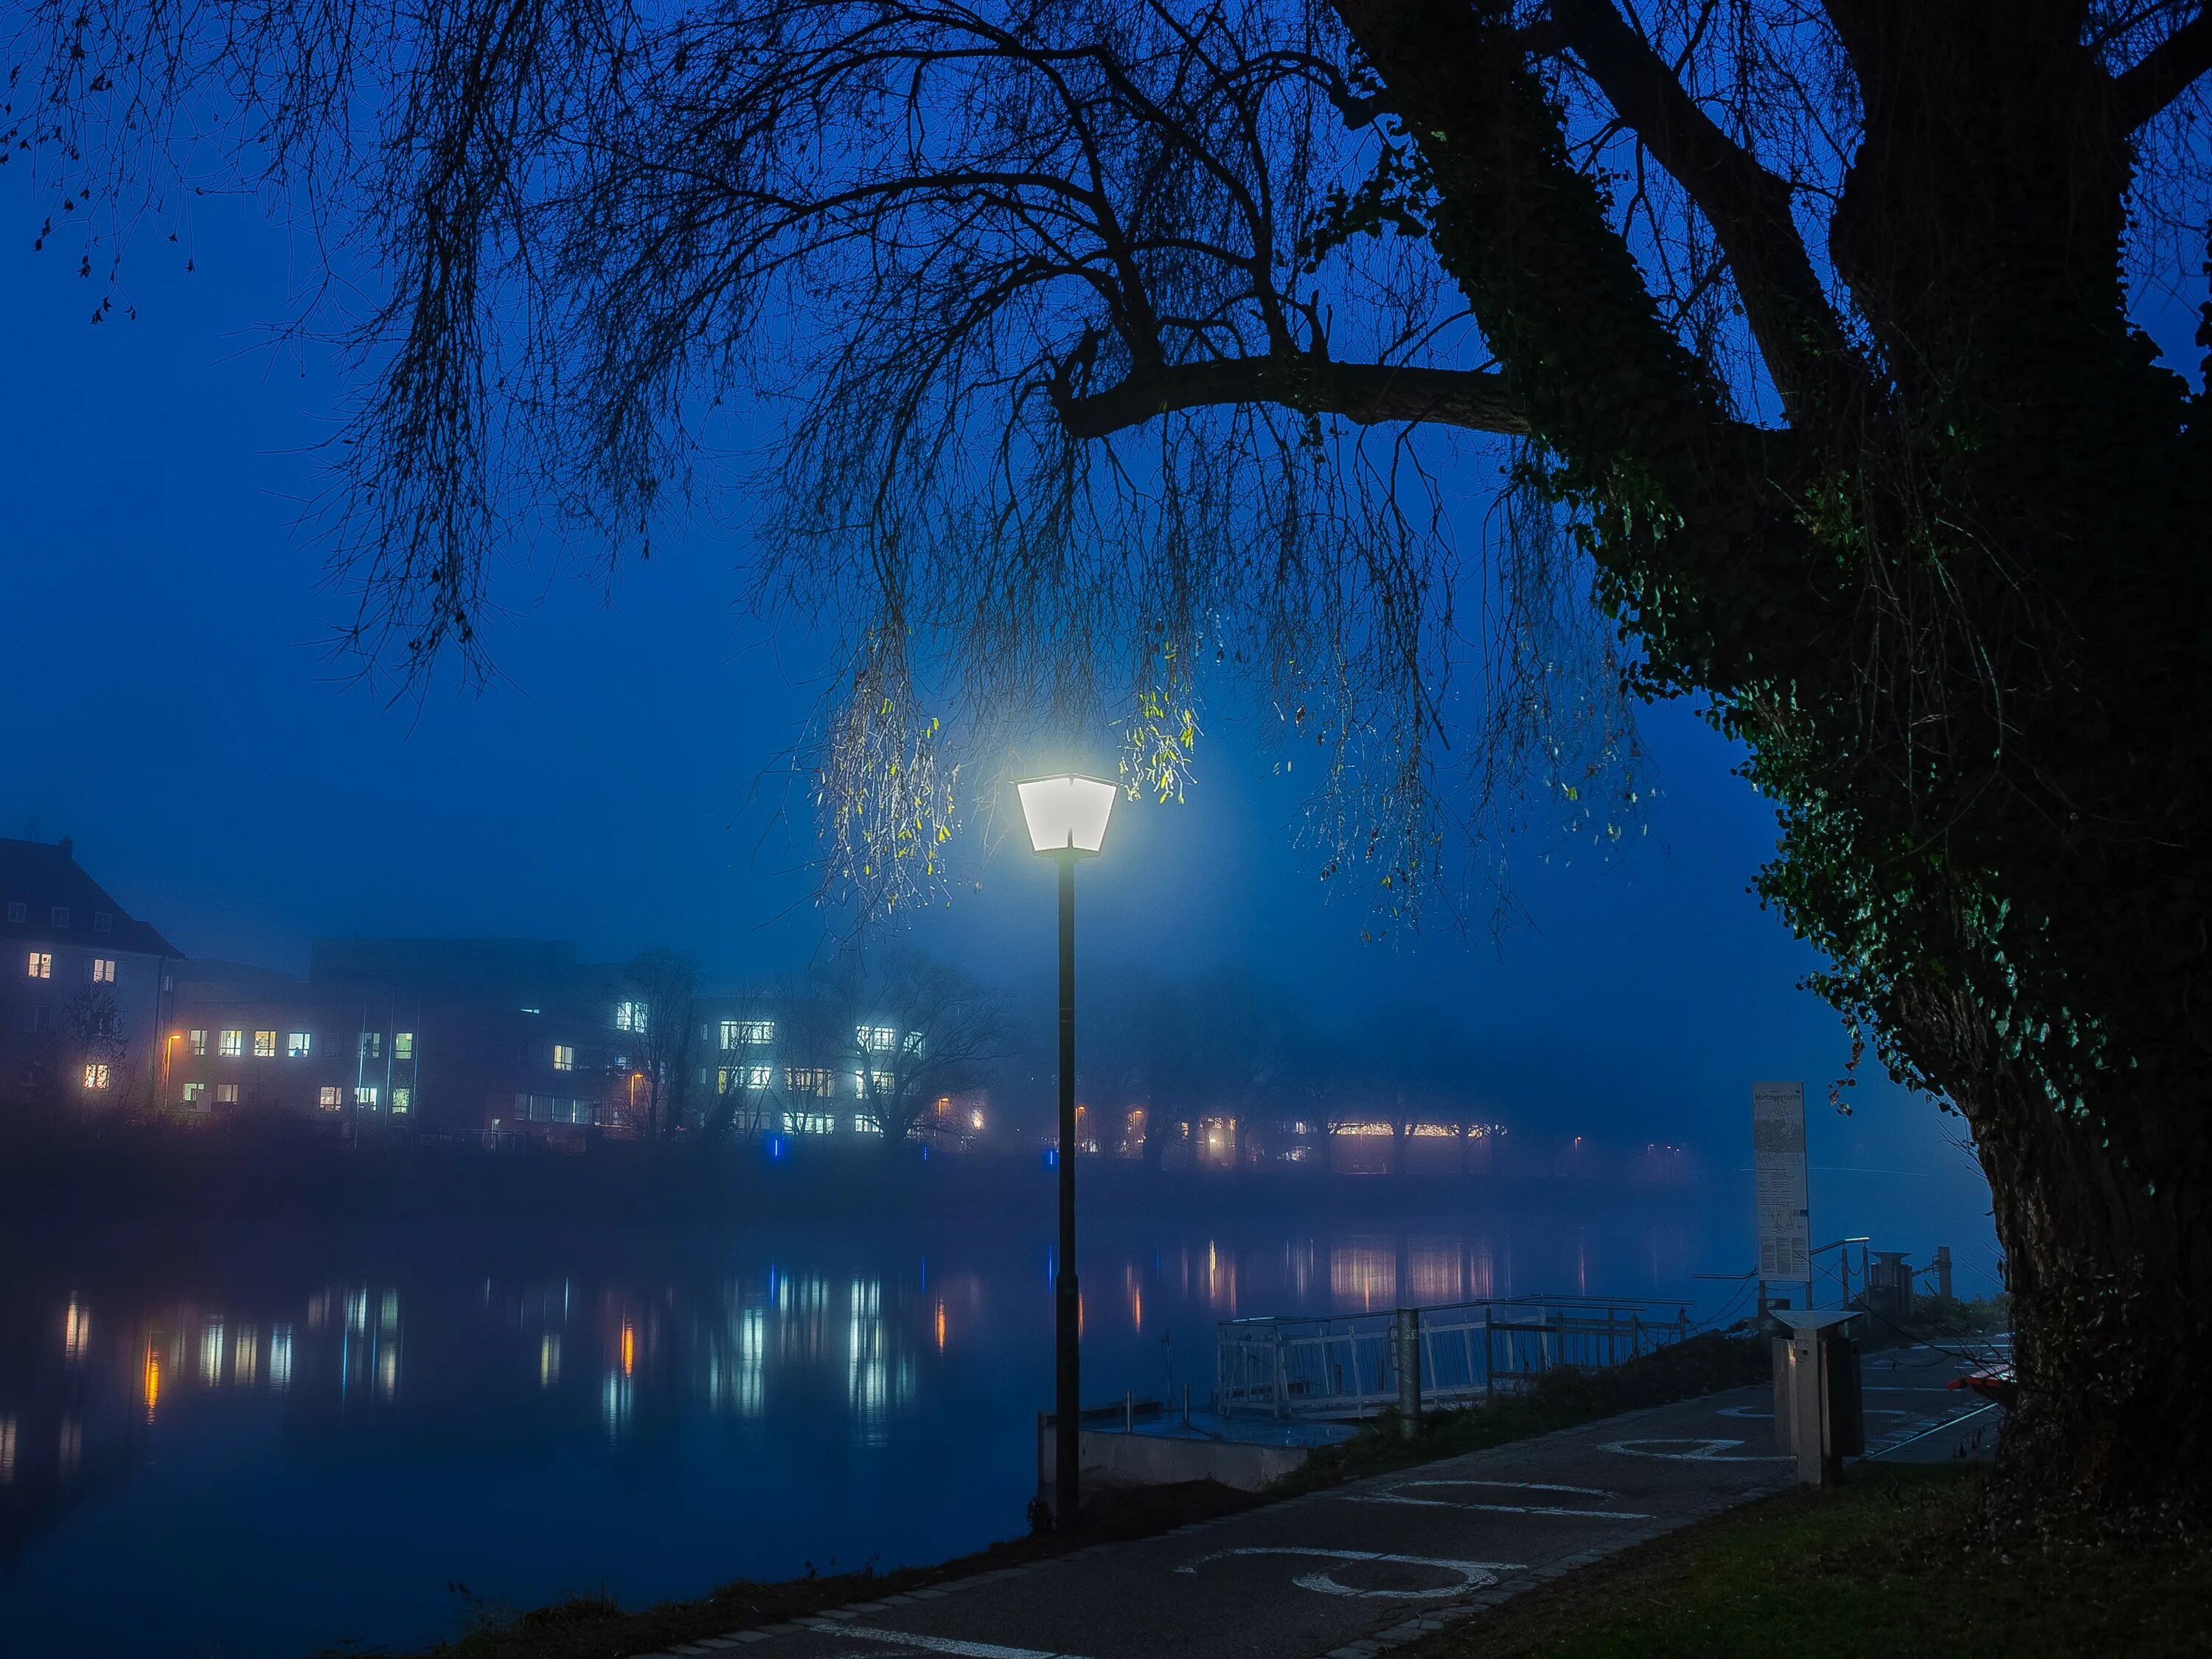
{"x": 40, "y": 965}
{"x": 818, "y": 1081}
{"x": 826, "y": 1123}
{"x": 298, "y": 1045}
{"x": 548, "y": 1108}
{"x": 329, "y": 1096}
{"x": 756, "y": 1033}
{"x": 103, "y": 921}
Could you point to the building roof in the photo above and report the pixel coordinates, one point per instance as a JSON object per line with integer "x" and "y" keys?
{"x": 44, "y": 876}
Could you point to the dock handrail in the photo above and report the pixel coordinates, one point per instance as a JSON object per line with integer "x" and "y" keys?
{"x": 1345, "y": 1364}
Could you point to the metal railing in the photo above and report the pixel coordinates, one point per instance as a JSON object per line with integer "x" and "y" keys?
{"x": 1346, "y": 1366}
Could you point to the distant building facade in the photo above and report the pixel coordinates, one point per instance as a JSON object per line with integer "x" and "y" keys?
{"x": 85, "y": 986}
{"x": 439, "y": 1037}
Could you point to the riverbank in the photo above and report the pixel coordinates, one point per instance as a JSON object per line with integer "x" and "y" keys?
{"x": 169, "y": 1183}
{"x": 1894, "y": 1561}
{"x": 594, "y": 1627}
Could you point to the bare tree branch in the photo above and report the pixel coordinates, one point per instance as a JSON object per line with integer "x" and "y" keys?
{"x": 2162, "y": 74}
{"x": 1749, "y": 208}
{"x": 1366, "y": 394}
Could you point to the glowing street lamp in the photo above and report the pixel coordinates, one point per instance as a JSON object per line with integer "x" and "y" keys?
{"x": 1067, "y": 822}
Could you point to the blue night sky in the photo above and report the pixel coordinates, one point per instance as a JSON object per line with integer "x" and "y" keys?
{"x": 165, "y": 630}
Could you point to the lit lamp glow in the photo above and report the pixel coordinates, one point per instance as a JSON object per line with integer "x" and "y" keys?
{"x": 1066, "y": 819}
{"x": 1067, "y": 815}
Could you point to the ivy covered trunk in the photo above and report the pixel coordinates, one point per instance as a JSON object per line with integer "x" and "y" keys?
{"x": 1958, "y": 608}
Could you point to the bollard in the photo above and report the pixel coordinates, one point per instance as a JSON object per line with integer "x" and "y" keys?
{"x": 1129, "y": 1412}
{"x": 1818, "y": 1414}
{"x": 1409, "y": 1372}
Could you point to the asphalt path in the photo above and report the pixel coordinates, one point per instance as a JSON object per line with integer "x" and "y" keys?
{"x": 1365, "y": 1567}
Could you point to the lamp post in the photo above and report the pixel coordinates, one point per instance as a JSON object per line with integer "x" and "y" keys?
{"x": 1067, "y": 822}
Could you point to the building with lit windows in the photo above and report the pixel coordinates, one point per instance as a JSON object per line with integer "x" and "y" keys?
{"x": 84, "y": 986}
{"x": 456, "y": 1037}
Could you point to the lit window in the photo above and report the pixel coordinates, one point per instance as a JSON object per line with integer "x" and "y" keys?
{"x": 564, "y": 1057}
{"x": 401, "y": 1099}
{"x": 629, "y": 1017}
{"x": 297, "y": 1046}
{"x": 759, "y": 1076}
{"x": 18, "y": 911}
{"x": 331, "y": 1098}
{"x": 42, "y": 964}
{"x": 226, "y": 1094}
{"x": 802, "y": 1080}
{"x": 103, "y": 970}
{"x": 102, "y": 922}
{"x": 403, "y": 1045}
{"x": 230, "y": 1044}
{"x": 864, "y": 1123}
{"x": 196, "y": 1096}
{"x": 265, "y": 1045}
{"x": 876, "y": 1039}
{"x": 198, "y": 1042}
{"x": 365, "y": 1095}
{"x": 96, "y": 1074}
{"x": 809, "y": 1123}
{"x": 747, "y": 1033}
{"x": 59, "y": 915}
{"x": 372, "y": 1045}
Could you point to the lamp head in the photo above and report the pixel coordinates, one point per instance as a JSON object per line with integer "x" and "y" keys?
{"x": 1067, "y": 814}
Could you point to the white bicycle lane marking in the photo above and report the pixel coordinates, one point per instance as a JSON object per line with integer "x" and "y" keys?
{"x": 1474, "y": 1575}
{"x": 919, "y": 1644}
{"x": 1748, "y": 1412}
{"x": 1700, "y": 1451}
{"x": 1396, "y": 1494}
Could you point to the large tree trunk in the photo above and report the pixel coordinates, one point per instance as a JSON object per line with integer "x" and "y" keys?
{"x": 1959, "y": 617}
{"x": 2109, "y": 1268}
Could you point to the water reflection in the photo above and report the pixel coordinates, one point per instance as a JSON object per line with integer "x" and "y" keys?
{"x": 790, "y": 1400}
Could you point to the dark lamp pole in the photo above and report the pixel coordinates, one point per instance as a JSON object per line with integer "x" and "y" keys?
{"x": 1066, "y": 822}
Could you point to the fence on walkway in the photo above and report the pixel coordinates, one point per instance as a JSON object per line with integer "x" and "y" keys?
{"x": 1346, "y": 1366}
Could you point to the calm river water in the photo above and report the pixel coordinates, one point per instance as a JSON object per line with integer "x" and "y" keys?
{"x": 307, "y": 1447}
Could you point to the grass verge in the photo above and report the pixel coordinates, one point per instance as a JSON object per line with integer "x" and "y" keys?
{"x": 1892, "y": 1562}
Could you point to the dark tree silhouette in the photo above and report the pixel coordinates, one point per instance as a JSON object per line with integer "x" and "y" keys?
{"x": 661, "y": 989}
{"x": 1123, "y": 343}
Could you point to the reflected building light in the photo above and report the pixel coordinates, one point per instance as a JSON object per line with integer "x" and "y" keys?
{"x": 357, "y": 1310}
{"x": 211, "y": 1351}
{"x": 245, "y": 1357}
{"x": 390, "y": 1312}
{"x": 629, "y": 1349}
{"x": 318, "y": 1311}
{"x": 615, "y": 1404}
{"x": 76, "y": 1331}
{"x": 1433, "y": 1269}
{"x": 752, "y": 1361}
{"x": 941, "y": 1324}
{"x": 280, "y": 1357}
{"x": 7, "y": 1452}
{"x": 388, "y": 1371}
{"x": 72, "y": 1446}
{"x": 867, "y": 1377}
{"x": 1365, "y": 1272}
{"x": 149, "y": 1382}
{"x": 549, "y": 1360}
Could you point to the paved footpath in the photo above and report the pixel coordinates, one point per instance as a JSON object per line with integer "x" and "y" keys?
{"x": 1361, "y": 1568}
